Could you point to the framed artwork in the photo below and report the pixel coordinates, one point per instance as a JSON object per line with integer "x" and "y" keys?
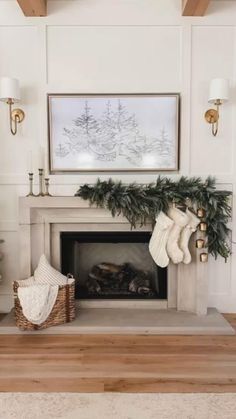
{"x": 113, "y": 132}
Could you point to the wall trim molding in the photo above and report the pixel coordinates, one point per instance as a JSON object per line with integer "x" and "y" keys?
{"x": 9, "y": 226}
{"x": 20, "y": 179}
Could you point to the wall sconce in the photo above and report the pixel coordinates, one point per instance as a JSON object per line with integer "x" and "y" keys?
{"x": 219, "y": 93}
{"x": 10, "y": 94}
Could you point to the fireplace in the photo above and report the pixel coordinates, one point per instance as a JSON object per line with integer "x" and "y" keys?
{"x": 43, "y": 220}
{"x": 112, "y": 265}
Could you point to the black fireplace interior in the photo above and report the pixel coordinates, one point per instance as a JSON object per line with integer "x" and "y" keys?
{"x": 112, "y": 265}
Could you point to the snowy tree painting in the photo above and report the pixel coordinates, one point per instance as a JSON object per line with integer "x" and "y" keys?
{"x": 113, "y": 133}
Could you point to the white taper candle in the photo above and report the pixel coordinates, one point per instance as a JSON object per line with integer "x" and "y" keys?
{"x": 30, "y": 162}
{"x": 41, "y": 158}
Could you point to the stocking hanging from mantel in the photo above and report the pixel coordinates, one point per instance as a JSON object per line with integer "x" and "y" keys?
{"x": 160, "y": 235}
{"x": 180, "y": 220}
{"x": 171, "y": 235}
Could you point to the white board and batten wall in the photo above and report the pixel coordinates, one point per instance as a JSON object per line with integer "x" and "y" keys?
{"x": 107, "y": 46}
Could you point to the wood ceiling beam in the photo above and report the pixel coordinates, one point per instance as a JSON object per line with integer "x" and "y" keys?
{"x": 194, "y": 7}
{"x": 35, "y": 8}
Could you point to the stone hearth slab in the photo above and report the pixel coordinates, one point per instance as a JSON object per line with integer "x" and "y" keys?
{"x": 133, "y": 321}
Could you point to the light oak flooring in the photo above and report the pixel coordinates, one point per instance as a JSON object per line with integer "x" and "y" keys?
{"x": 106, "y": 363}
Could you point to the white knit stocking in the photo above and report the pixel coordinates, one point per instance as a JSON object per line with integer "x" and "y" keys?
{"x": 186, "y": 233}
{"x": 180, "y": 220}
{"x": 157, "y": 244}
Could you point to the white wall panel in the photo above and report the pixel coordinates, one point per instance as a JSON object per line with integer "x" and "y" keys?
{"x": 10, "y": 262}
{"x": 212, "y": 56}
{"x": 8, "y": 203}
{"x": 9, "y": 268}
{"x": 114, "y": 59}
{"x": 19, "y": 49}
{"x": 219, "y": 276}
{"x": 118, "y": 12}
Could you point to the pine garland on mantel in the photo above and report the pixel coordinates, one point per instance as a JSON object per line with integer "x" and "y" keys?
{"x": 140, "y": 203}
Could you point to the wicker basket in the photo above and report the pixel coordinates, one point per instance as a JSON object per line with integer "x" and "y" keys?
{"x": 63, "y": 310}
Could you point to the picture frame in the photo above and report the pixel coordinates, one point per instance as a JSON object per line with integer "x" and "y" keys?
{"x": 113, "y": 132}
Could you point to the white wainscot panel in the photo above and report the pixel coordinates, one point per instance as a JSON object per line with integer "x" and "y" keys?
{"x": 222, "y": 284}
{"x": 9, "y": 269}
{"x": 212, "y": 56}
{"x": 19, "y": 52}
{"x": 114, "y": 59}
{"x": 8, "y": 207}
{"x": 9, "y": 266}
{"x": 219, "y": 276}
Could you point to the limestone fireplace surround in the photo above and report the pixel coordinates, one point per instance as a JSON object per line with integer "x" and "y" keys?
{"x": 41, "y": 219}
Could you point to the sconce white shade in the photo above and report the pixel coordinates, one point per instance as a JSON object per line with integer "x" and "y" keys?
{"x": 219, "y": 89}
{"x": 9, "y": 89}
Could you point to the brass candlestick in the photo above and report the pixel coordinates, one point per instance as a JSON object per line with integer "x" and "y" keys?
{"x": 41, "y": 193}
{"x": 47, "y": 187}
{"x": 31, "y": 176}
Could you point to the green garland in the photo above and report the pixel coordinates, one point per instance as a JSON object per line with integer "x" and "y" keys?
{"x": 141, "y": 203}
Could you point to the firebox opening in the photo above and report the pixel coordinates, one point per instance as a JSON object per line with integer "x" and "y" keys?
{"x": 112, "y": 265}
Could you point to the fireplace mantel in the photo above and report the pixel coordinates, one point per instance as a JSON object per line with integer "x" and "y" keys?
{"x": 42, "y": 218}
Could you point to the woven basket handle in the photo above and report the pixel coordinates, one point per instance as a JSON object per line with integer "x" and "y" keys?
{"x": 69, "y": 276}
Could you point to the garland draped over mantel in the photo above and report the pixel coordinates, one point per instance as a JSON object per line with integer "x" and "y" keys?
{"x": 141, "y": 203}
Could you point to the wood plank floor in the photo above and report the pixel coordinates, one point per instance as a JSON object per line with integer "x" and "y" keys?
{"x": 105, "y": 363}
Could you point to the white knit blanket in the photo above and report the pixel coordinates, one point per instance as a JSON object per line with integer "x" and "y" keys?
{"x": 37, "y": 301}
{"x": 38, "y": 293}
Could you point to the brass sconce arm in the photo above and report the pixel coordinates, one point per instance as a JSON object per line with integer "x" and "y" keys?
{"x": 16, "y": 116}
{"x": 212, "y": 117}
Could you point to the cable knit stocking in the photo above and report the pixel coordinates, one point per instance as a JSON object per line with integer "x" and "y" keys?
{"x": 180, "y": 220}
{"x": 186, "y": 233}
{"x": 157, "y": 244}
